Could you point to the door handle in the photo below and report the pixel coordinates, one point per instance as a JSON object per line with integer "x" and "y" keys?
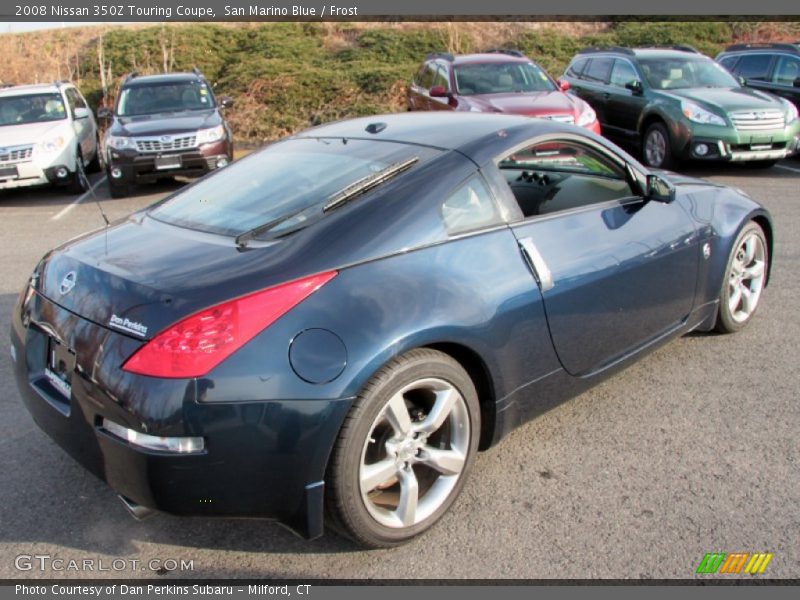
{"x": 541, "y": 272}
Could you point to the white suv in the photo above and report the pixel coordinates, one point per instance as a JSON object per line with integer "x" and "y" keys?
{"x": 47, "y": 135}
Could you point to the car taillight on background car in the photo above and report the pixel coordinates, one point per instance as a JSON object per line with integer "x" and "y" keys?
{"x": 195, "y": 345}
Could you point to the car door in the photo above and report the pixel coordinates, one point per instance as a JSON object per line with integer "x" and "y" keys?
{"x": 593, "y": 85}
{"x": 624, "y": 106}
{"x": 616, "y": 271}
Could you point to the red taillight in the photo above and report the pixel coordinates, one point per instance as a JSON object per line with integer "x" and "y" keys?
{"x": 195, "y": 345}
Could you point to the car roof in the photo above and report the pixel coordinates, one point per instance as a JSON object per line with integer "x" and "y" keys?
{"x": 443, "y": 130}
{"x": 493, "y": 57}
{"x": 665, "y": 53}
{"x": 20, "y": 90}
{"x": 763, "y": 47}
{"x": 162, "y": 78}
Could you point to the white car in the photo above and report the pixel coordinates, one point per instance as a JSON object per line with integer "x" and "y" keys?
{"x": 48, "y": 135}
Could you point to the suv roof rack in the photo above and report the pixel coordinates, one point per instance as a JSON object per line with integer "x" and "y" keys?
{"x": 443, "y": 55}
{"x": 617, "y": 49}
{"x": 197, "y": 72}
{"x": 678, "y": 47}
{"x": 793, "y": 48}
{"x": 131, "y": 75}
{"x": 507, "y": 51}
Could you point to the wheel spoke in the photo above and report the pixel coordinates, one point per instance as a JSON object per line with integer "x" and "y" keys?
{"x": 397, "y": 413}
{"x": 445, "y": 401}
{"x": 754, "y": 271}
{"x": 748, "y": 299}
{"x": 735, "y": 298}
{"x": 749, "y": 250}
{"x": 447, "y": 462}
{"x": 377, "y": 473}
{"x": 409, "y": 496}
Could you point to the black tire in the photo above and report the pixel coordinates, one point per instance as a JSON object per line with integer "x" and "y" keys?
{"x": 117, "y": 190}
{"x": 79, "y": 182}
{"x": 94, "y": 165}
{"x": 760, "y": 164}
{"x": 727, "y": 321}
{"x": 650, "y": 159}
{"x": 346, "y": 507}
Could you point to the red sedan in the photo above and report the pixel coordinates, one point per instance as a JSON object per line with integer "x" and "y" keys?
{"x": 503, "y": 81}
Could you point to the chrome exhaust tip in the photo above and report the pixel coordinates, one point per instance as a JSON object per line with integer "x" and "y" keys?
{"x": 137, "y": 511}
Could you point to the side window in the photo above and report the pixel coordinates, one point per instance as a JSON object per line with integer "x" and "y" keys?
{"x": 79, "y": 101}
{"x": 622, "y": 73}
{"x": 576, "y": 67}
{"x": 441, "y": 78}
{"x": 470, "y": 207}
{"x": 420, "y": 75}
{"x": 554, "y": 176}
{"x": 729, "y": 62}
{"x": 787, "y": 70}
{"x": 70, "y": 100}
{"x": 598, "y": 69}
{"x": 754, "y": 66}
{"x": 427, "y": 73}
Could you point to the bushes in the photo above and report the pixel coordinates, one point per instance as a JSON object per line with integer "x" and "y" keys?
{"x": 287, "y": 76}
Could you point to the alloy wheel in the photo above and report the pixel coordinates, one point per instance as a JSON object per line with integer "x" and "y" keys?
{"x": 746, "y": 277}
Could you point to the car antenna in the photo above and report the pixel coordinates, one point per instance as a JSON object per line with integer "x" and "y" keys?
{"x": 89, "y": 185}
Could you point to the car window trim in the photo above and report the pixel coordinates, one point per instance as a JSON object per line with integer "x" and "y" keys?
{"x": 635, "y": 71}
{"x": 775, "y": 60}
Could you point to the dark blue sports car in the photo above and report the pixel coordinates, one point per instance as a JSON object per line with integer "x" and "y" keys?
{"x": 336, "y": 324}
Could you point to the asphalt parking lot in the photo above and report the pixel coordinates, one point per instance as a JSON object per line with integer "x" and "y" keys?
{"x": 692, "y": 450}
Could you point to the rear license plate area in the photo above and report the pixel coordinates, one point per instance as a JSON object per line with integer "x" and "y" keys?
{"x": 59, "y": 367}
{"x": 168, "y": 161}
{"x": 9, "y": 172}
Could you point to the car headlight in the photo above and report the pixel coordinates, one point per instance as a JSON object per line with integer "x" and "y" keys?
{"x": 120, "y": 142}
{"x": 587, "y": 116}
{"x": 51, "y": 145}
{"x": 698, "y": 114}
{"x": 791, "y": 110}
{"x": 212, "y": 134}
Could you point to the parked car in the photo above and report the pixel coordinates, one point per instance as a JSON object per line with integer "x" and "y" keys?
{"x": 675, "y": 103}
{"x": 342, "y": 319}
{"x": 163, "y": 126}
{"x": 47, "y": 136}
{"x": 498, "y": 81}
{"x": 773, "y": 68}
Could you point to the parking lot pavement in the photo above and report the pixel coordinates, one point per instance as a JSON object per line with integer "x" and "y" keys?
{"x": 692, "y": 450}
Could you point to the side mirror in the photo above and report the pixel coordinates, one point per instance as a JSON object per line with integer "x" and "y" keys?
{"x": 659, "y": 189}
{"x": 103, "y": 113}
{"x": 563, "y": 85}
{"x": 226, "y": 102}
{"x": 797, "y": 82}
{"x": 438, "y": 91}
{"x": 81, "y": 113}
{"x": 635, "y": 86}
{"x": 742, "y": 81}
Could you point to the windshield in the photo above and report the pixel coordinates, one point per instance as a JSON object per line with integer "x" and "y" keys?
{"x": 682, "y": 73}
{"x": 290, "y": 183}
{"x": 31, "y": 108}
{"x": 501, "y": 78}
{"x": 171, "y": 96}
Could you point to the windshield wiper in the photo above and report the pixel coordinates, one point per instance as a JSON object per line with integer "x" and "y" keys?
{"x": 365, "y": 184}
{"x": 242, "y": 239}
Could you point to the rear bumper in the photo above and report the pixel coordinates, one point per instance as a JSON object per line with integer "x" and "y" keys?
{"x": 141, "y": 168}
{"x": 261, "y": 459}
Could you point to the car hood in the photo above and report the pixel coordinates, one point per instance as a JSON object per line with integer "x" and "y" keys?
{"x": 532, "y": 104}
{"x": 29, "y": 133}
{"x": 162, "y": 123}
{"x": 728, "y": 99}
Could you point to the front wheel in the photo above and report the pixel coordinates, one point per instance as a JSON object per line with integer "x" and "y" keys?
{"x": 80, "y": 182}
{"x": 745, "y": 277}
{"x": 404, "y": 450}
{"x": 656, "y": 148}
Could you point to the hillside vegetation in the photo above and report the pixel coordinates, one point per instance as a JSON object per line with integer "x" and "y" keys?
{"x": 287, "y": 76}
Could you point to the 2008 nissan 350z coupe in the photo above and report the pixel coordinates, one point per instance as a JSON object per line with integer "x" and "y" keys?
{"x": 336, "y": 324}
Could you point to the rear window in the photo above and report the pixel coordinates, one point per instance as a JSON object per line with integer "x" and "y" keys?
{"x": 577, "y": 66}
{"x": 289, "y": 182}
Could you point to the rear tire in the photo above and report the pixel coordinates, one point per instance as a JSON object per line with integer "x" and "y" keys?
{"x": 94, "y": 165}
{"x": 117, "y": 190}
{"x": 404, "y": 450}
{"x": 657, "y": 148}
{"x": 744, "y": 280}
